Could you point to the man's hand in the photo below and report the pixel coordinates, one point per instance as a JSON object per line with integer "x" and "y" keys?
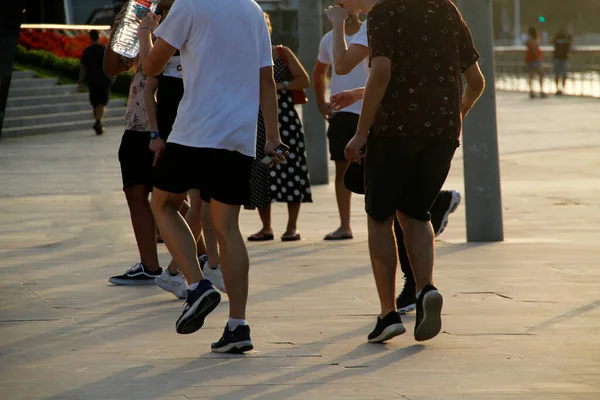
{"x": 326, "y": 111}
{"x": 353, "y": 148}
{"x": 157, "y": 146}
{"x": 336, "y": 15}
{"x": 151, "y": 20}
{"x": 343, "y": 99}
{"x": 270, "y": 150}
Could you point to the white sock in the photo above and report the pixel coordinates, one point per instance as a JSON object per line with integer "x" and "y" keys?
{"x": 233, "y": 323}
{"x": 193, "y": 286}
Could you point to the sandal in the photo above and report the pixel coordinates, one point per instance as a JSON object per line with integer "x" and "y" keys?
{"x": 337, "y": 235}
{"x": 290, "y": 237}
{"x": 260, "y": 237}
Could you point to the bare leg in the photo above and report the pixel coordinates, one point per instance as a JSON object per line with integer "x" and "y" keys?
{"x": 192, "y": 218}
{"x": 384, "y": 259}
{"x": 541, "y": 73}
{"x": 99, "y": 112}
{"x": 234, "y": 256}
{"x": 143, "y": 225}
{"x": 212, "y": 247}
{"x": 293, "y": 213}
{"x": 343, "y": 197}
{"x": 418, "y": 236}
{"x": 177, "y": 234}
{"x": 265, "y": 217}
{"x": 531, "y": 76}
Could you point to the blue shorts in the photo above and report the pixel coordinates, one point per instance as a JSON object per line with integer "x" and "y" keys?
{"x": 561, "y": 67}
{"x": 534, "y": 64}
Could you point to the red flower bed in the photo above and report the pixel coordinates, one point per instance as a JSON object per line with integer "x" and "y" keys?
{"x": 59, "y": 44}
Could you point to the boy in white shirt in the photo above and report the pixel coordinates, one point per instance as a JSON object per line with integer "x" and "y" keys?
{"x": 212, "y": 144}
{"x": 343, "y": 122}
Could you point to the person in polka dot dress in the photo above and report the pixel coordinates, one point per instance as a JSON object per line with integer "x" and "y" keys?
{"x": 287, "y": 182}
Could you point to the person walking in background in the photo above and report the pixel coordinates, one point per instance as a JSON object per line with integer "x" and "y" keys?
{"x": 287, "y": 182}
{"x": 563, "y": 43}
{"x": 91, "y": 67}
{"x": 342, "y": 122}
{"x": 534, "y": 60}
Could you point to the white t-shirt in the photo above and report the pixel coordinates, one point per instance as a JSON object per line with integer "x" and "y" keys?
{"x": 223, "y": 45}
{"x": 355, "y": 79}
{"x": 362, "y": 39}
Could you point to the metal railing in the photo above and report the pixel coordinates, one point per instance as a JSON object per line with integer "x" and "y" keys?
{"x": 583, "y": 78}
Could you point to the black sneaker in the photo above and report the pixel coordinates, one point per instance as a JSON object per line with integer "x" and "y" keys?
{"x": 429, "y": 314}
{"x": 388, "y": 327}
{"x": 99, "y": 128}
{"x": 237, "y": 341}
{"x": 445, "y": 204}
{"x": 136, "y": 275}
{"x": 199, "y": 303}
{"x": 406, "y": 301}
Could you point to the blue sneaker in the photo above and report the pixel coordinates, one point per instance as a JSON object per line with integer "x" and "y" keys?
{"x": 199, "y": 303}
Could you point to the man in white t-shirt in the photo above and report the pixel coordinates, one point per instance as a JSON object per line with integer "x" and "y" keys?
{"x": 212, "y": 144}
{"x": 343, "y": 122}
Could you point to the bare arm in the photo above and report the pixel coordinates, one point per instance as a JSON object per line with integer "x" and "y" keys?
{"x": 381, "y": 72}
{"x": 82, "y": 73}
{"x": 345, "y": 59}
{"x": 301, "y": 79}
{"x": 150, "y": 102}
{"x": 475, "y": 87}
{"x": 159, "y": 55}
{"x": 268, "y": 104}
{"x": 320, "y": 86}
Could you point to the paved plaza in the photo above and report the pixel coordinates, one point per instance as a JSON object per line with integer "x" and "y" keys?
{"x": 521, "y": 318}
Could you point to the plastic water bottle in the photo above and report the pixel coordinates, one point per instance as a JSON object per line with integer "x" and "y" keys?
{"x": 125, "y": 40}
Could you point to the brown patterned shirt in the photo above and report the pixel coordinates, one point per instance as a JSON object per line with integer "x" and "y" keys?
{"x": 429, "y": 45}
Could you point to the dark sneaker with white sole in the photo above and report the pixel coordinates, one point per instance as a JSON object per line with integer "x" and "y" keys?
{"x": 237, "y": 341}
{"x": 429, "y": 314}
{"x": 407, "y": 300}
{"x": 387, "y": 327}
{"x": 445, "y": 204}
{"x": 138, "y": 274}
{"x": 199, "y": 303}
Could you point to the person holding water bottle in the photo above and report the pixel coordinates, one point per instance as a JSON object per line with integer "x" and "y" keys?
{"x": 135, "y": 157}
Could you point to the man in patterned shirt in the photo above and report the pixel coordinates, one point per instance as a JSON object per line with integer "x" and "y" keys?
{"x": 411, "y": 118}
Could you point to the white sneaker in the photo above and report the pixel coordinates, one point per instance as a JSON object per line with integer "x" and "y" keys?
{"x": 215, "y": 276}
{"x": 173, "y": 284}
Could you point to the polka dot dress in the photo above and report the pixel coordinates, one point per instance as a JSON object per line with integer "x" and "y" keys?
{"x": 287, "y": 182}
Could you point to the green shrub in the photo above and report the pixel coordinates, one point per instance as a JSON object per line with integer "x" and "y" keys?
{"x": 66, "y": 66}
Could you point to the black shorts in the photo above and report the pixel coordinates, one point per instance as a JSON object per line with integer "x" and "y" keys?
{"x": 405, "y": 174}
{"x": 219, "y": 174}
{"x": 99, "y": 94}
{"x": 342, "y": 128}
{"x": 136, "y": 159}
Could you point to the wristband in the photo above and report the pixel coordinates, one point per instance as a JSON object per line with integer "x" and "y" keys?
{"x": 154, "y": 135}
{"x": 146, "y": 27}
